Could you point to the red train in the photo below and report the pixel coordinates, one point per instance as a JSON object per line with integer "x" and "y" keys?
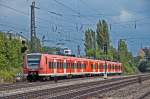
{"x": 46, "y": 66}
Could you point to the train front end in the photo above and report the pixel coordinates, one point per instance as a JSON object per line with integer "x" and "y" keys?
{"x": 32, "y": 66}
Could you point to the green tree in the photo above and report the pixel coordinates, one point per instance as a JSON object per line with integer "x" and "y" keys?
{"x": 10, "y": 57}
{"x": 102, "y": 34}
{"x": 89, "y": 42}
{"x": 126, "y": 58}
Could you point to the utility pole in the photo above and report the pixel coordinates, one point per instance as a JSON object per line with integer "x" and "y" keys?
{"x": 33, "y": 31}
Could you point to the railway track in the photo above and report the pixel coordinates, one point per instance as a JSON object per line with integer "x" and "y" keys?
{"x": 75, "y": 91}
{"x": 145, "y": 95}
{"x": 4, "y": 87}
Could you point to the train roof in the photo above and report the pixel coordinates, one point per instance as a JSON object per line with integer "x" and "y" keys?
{"x": 77, "y": 58}
{"x": 72, "y": 58}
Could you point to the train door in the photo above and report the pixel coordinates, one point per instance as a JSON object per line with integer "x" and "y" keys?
{"x": 84, "y": 66}
{"x": 51, "y": 66}
{"x": 92, "y": 64}
{"x": 60, "y": 69}
{"x": 79, "y": 66}
{"x": 68, "y": 66}
{"x": 72, "y": 67}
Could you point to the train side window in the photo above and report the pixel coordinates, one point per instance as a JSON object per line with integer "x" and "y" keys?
{"x": 92, "y": 66}
{"x": 64, "y": 65}
{"x": 55, "y": 65}
{"x": 61, "y": 65}
{"x": 115, "y": 66}
{"x": 96, "y": 66}
{"x": 46, "y": 60}
{"x": 84, "y": 65}
{"x": 79, "y": 65}
{"x": 58, "y": 65}
{"x": 75, "y": 65}
{"x": 51, "y": 65}
{"x": 68, "y": 65}
{"x": 110, "y": 66}
{"x": 99, "y": 66}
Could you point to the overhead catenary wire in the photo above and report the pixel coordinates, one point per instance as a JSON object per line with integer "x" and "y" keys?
{"x": 113, "y": 23}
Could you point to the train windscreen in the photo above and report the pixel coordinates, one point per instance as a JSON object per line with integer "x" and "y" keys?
{"x": 33, "y": 61}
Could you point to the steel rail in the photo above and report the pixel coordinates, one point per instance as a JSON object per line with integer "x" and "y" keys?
{"x": 56, "y": 91}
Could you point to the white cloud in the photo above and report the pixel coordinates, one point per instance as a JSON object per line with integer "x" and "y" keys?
{"x": 124, "y": 16}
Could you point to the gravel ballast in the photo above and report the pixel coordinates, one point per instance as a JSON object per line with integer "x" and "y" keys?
{"x": 134, "y": 91}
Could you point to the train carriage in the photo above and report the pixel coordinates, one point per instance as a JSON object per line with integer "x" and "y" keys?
{"x": 45, "y": 66}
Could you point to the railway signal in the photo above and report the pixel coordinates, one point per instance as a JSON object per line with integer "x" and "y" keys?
{"x": 105, "y": 48}
{"x": 24, "y": 47}
{"x": 106, "y": 52}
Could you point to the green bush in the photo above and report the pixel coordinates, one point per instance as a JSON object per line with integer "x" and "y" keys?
{"x": 10, "y": 58}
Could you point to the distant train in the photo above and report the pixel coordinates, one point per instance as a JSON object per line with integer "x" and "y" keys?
{"x": 45, "y": 66}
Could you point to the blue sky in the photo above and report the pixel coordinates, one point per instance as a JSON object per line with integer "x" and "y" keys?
{"x": 76, "y": 17}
